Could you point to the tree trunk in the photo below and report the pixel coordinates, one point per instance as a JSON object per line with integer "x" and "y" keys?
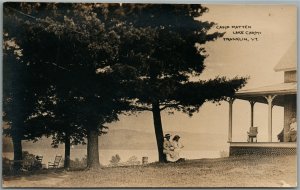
{"x": 92, "y": 149}
{"x": 67, "y": 151}
{"x": 17, "y": 145}
{"x": 158, "y": 131}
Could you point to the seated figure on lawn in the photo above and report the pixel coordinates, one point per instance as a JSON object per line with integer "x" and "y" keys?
{"x": 168, "y": 147}
{"x": 175, "y": 156}
{"x": 172, "y": 148}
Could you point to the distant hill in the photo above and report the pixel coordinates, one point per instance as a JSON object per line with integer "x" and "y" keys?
{"x": 7, "y": 145}
{"x": 130, "y": 139}
{"x": 125, "y": 139}
{"x": 201, "y": 141}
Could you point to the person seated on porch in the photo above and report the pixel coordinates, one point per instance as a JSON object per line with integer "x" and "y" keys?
{"x": 293, "y": 130}
{"x": 252, "y": 134}
{"x": 280, "y": 136}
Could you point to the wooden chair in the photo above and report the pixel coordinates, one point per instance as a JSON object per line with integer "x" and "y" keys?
{"x": 56, "y": 162}
{"x": 252, "y": 134}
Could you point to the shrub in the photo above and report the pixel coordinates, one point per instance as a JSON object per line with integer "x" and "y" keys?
{"x": 30, "y": 161}
{"x": 79, "y": 163}
{"x": 5, "y": 166}
{"x": 115, "y": 160}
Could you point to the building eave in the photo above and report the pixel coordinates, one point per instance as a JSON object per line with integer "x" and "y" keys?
{"x": 276, "y": 89}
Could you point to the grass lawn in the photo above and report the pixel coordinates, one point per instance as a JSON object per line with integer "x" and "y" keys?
{"x": 244, "y": 171}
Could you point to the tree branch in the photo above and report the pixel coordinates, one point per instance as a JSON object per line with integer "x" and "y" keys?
{"x": 168, "y": 106}
{"x": 22, "y": 13}
{"x": 142, "y": 108}
{"x": 60, "y": 67}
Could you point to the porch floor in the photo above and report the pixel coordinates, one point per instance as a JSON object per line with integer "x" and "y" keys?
{"x": 262, "y": 148}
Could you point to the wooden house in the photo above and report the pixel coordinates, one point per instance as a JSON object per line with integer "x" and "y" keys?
{"x": 284, "y": 95}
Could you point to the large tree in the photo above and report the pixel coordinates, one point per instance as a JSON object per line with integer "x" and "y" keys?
{"x": 20, "y": 86}
{"x": 165, "y": 43}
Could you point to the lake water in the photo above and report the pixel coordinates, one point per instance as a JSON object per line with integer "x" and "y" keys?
{"x": 105, "y": 155}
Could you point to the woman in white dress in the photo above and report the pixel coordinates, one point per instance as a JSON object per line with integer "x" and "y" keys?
{"x": 177, "y": 146}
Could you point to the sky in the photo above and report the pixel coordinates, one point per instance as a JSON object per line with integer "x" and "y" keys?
{"x": 271, "y": 30}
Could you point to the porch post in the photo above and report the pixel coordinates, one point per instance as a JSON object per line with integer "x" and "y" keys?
{"x": 270, "y": 99}
{"x": 252, "y": 112}
{"x": 230, "y": 120}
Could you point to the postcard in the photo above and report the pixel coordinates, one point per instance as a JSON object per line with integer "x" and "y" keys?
{"x": 124, "y": 95}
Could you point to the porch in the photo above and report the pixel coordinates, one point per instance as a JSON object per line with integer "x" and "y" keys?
{"x": 281, "y": 95}
{"x": 262, "y": 148}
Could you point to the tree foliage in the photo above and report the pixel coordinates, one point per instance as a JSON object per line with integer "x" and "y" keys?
{"x": 165, "y": 43}
{"x": 75, "y": 59}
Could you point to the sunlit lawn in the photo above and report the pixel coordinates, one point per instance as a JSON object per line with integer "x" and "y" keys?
{"x": 245, "y": 171}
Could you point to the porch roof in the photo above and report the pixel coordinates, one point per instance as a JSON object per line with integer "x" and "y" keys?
{"x": 276, "y": 89}
{"x": 257, "y": 94}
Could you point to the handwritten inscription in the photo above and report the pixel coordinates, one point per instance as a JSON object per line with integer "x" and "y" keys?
{"x": 240, "y": 33}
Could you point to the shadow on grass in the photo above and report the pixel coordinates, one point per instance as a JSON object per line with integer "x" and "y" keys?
{"x": 24, "y": 174}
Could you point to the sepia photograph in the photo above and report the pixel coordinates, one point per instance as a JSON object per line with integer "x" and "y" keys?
{"x": 149, "y": 95}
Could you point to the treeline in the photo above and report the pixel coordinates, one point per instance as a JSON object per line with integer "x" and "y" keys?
{"x": 69, "y": 69}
